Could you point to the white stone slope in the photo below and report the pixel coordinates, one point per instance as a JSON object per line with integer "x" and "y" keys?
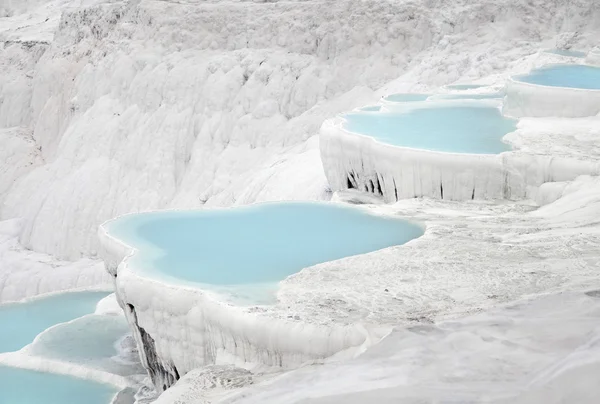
{"x": 544, "y": 350}
{"x": 141, "y": 105}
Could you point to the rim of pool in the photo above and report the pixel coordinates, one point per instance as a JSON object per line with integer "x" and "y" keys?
{"x": 340, "y": 121}
{"x": 221, "y": 292}
{"x": 38, "y": 366}
{"x": 517, "y": 79}
{"x": 99, "y": 288}
{"x": 569, "y": 53}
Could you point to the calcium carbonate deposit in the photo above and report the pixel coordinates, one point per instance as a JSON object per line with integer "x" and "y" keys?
{"x": 443, "y": 243}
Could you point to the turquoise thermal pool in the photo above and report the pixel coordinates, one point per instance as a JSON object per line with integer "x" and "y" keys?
{"x": 407, "y": 97}
{"x": 22, "y": 322}
{"x": 568, "y": 53}
{"x": 89, "y": 338}
{"x": 371, "y": 108}
{"x": 464, "y": 86}
{"x": 254, "y": 244}
{"x": 570, "y": 76}
{"x": 447, "y": 128}
{"x": 21, "y": 386}
{"x": 484, "y": 96}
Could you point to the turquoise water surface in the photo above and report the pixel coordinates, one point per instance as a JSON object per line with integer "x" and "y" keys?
{"x": 90, "y": 341}
{"x": 254, "y": 244}
{"x": 565, "y": 52}
{"x": 371, "y": 108}
{"x": 406, "y": 97}
{"x": 448, "y": 128}
{"x": 86, "y": 339}
{"x": 485, "y": 96}
{"x": 22, "y": 322}
{"x": 464, "y": 86}
{"x": 21, "y": 386}
{"x": 572, "y": 76}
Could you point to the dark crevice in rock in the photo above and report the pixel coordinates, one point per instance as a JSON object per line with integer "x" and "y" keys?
{"x": 377, "y": 187}
{"x": 353, "y": 179}
{"x": 441, "y": 190}
{"x": 349, "y": 183}
{"x": 473, "y": 194}
{"x": 593, "y": 293}
{"x": 162, "y": 375}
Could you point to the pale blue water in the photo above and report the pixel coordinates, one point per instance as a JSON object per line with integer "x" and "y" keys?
{"x": 464, "y": 86}
{"x": 572, "y": 76}
{"x": 20, "y": 386}
{"x": 90, "y": 341}
{"x": 21, "y": 322}
{"x": 85, "y": 339}
{"x": 371, "y": 108}
{"x": 457, "y": 129}
{"x": 569, "y": 53}
{"x": 407, "y": 97}
{"x": 486, "y": 96}
{"x": 254, "y": 244}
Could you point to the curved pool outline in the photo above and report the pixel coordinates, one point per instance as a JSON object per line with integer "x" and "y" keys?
{"x": 525, "y": 99}
{"x": 84, "y": 298}
{"x": 340, "y": 120}
{"x": 465, "y": 86}
{"x": 111, "y": 384}
{"x": 516, "y": 78}
{"x": 406, "y": 98}
{"x": 567, "y": 53}
{"x": 217, "y": 293}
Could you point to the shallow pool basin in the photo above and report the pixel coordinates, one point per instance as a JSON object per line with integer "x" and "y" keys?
{"x": 22, "y": 322}
{"x": 256, "y": 244}
{"x": 446, "y": 127}
{"x": 567, "y": 53}
{"x": 407, "y": 97}
{"x": 568, "y": 76}
{"x": 558, "y": 90}
{"x": 465, "y": 86}
{"x": 21, "y": 386}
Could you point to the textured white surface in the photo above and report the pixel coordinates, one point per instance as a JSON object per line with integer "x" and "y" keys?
{"x": 544, "y": 350}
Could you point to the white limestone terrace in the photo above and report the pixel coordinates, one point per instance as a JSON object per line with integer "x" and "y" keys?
{"x": 353, "y": 160}
{"x": 218, "y": 329}
{"x": 486, "y": 254}
{"x": 556, "y": 91}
